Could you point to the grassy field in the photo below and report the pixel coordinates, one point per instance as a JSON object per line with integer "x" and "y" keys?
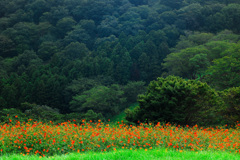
{"x": 135, "y": 155}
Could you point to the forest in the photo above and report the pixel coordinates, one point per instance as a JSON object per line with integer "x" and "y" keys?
{"x": 91, "y": 59}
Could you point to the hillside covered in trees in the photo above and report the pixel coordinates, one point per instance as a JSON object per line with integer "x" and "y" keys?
{"x": 66, "y": 59}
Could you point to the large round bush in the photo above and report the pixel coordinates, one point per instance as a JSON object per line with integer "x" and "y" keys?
{"x": 179, "y": 101}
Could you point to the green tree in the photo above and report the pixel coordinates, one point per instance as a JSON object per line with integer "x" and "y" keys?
{"x": 224, "y": 73}
{"x": 169, "y": 17}
{"x": 76, "y": 50}
{"x": 180, "y": 101}
{"x": 46, "y": 50}
{"x": 65, "y": 25}
{"x": 132, "y": 90}
{"x": 122, "y": 63}
{"x": 7, "y": 47}
{"x": 217, "y": 48}
{"x": 144, "y": 66}
{"x": 55, "y": 14}
{"x": 232, "y": 12}
{"x": 200, "y": 38}
{"x": 78, "y": 34}
{"x": 190, "y": 17}
{"x": 226, "y": 35}
{"x": 188, "y": 63}
{"x": 101, "y": 99}
{"x": 108, "y": 26}
{"x": 26, "y": 62}
{"x": 38, "y": 7}
{"x": 232, "y": 101}
{"x": 89, "y": 26}
{"x": 78, "y": 86}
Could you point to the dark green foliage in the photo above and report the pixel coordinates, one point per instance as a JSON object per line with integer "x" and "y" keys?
{"x": 106, "y": 100}
{"x": 45, "y": 114}
{"x": 231, "y": 13}
{"x": 179, "y": 101}
{"x": 132, "y": 116}
{"x": 76, "y": 50}
{"x": 188, "y": 63}
{"x": 41, "y": 112}
{"x": 53, "y": 51}
{"x": 132, "y": 90}
{"x": 77, "y": 87}
{"x": 9, "y": 114}
{"x": 65, "y": 25}
{"x": 7, "y": 47}
{"x": 231, "y": 98}
{"x": 202, "y": 55}
{"x": 46, "y": 50}
{"x": 224, "y": 73}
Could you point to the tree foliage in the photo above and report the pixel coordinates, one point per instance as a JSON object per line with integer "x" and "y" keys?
{"x": 179, "y": 101}
{"x": 48, "y": 47}
{"x": 106, "y": 100}
{"x": 232, "y": 101}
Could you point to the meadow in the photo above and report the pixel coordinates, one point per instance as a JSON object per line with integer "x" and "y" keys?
{"x": 48, "y": 139}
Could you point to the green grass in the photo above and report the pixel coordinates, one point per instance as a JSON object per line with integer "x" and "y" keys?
{"x": 136, "y": 155}
{"x": 121, "y": 116}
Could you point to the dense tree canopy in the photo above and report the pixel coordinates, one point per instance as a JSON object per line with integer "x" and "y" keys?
{"x": 71, "y": 54}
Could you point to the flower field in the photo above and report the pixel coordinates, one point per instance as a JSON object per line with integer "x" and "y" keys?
{"x": 46, "y": 139}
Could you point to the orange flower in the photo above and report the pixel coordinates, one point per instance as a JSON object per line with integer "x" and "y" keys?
{"x": 16, "y": 116}
{"x": 73, "y": 142}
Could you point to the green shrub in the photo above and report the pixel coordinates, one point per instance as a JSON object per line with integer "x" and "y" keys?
{"x": 231, "y": 98}
{"x": 179, "y": 101}
{"x": 12, "y": 114}
{"x": 41, "y": 112}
